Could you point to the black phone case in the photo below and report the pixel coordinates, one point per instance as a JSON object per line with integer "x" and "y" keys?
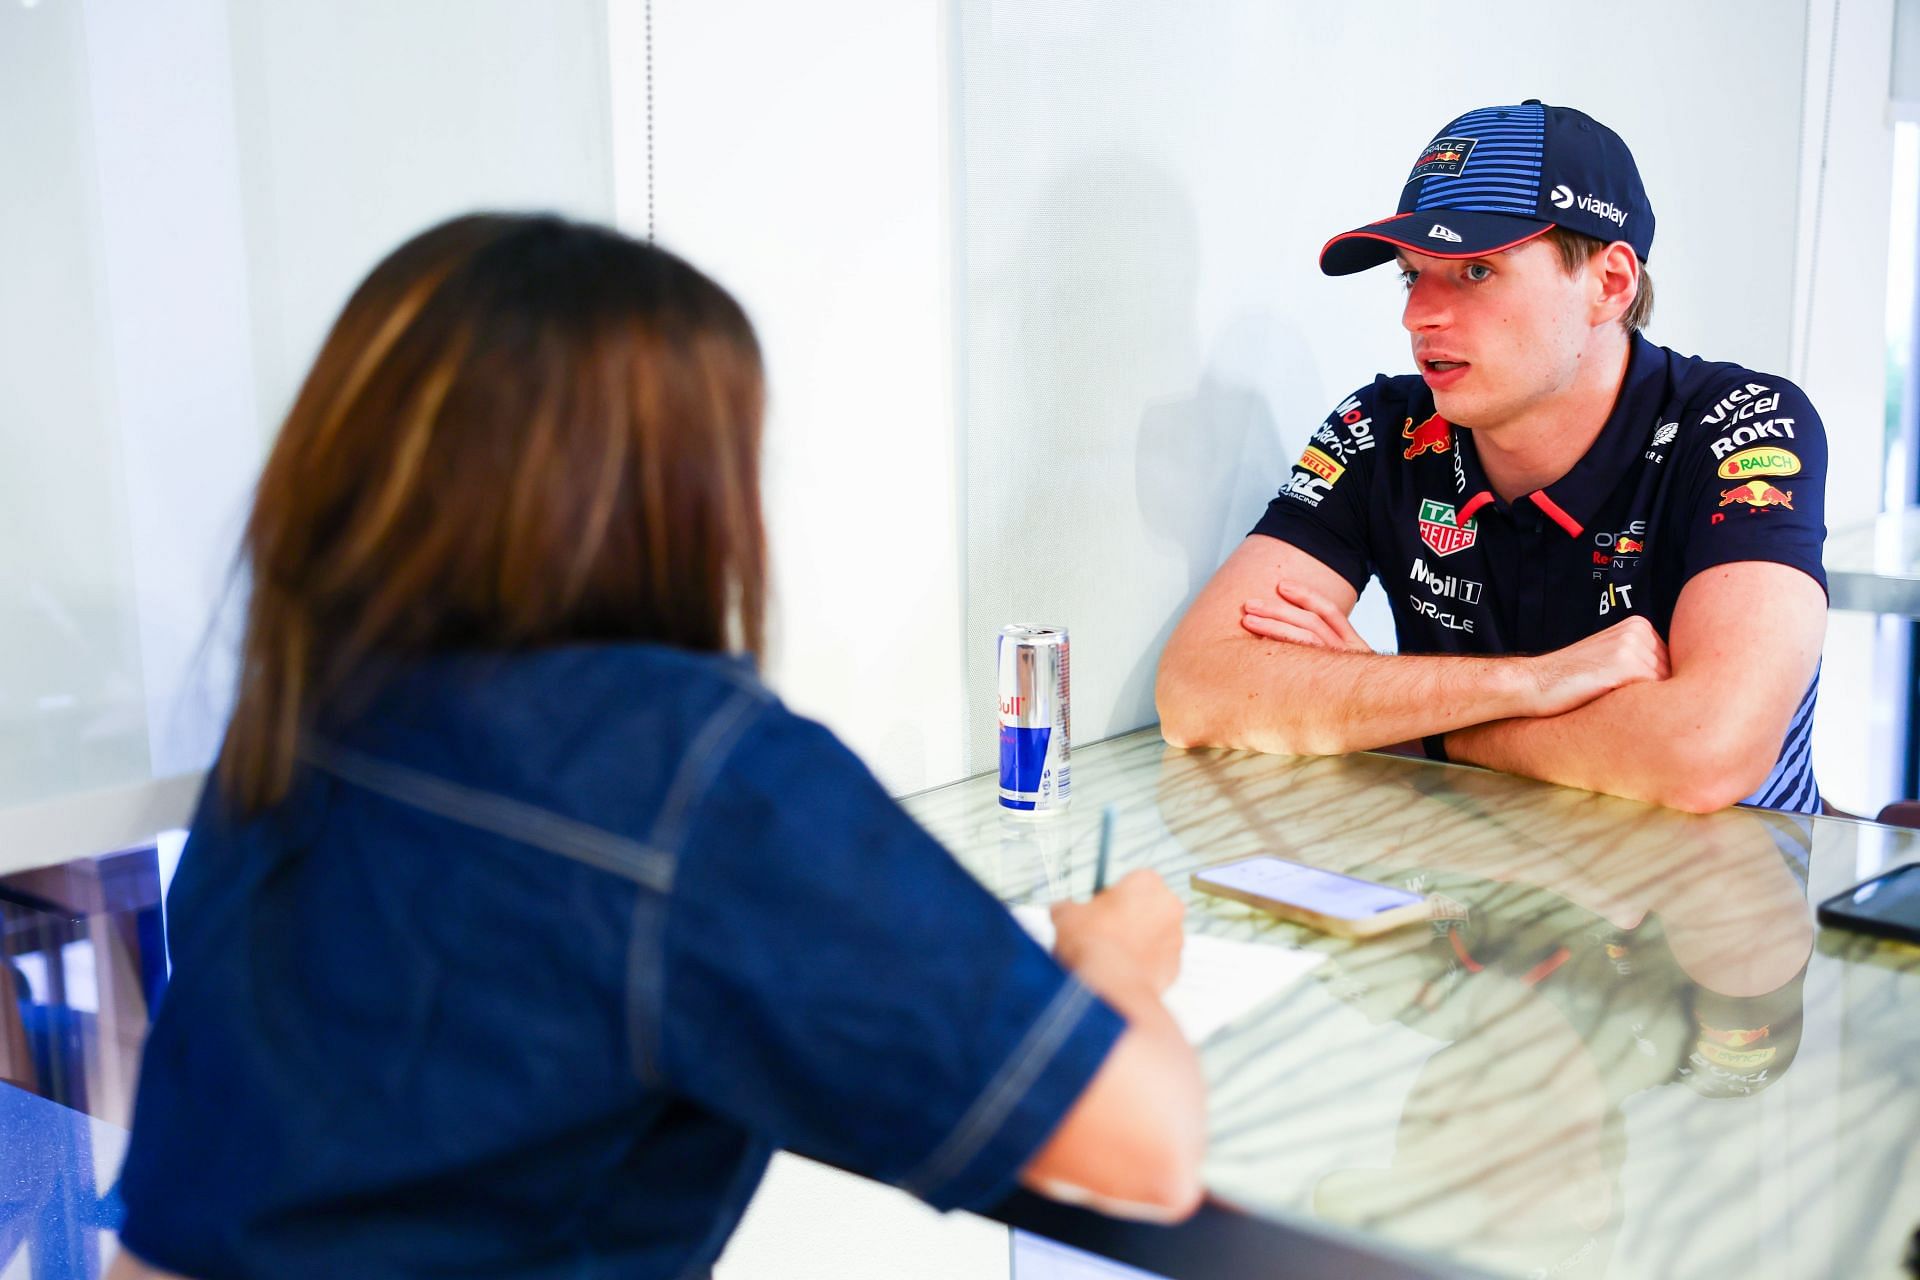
{"x": 1833, "y": 912}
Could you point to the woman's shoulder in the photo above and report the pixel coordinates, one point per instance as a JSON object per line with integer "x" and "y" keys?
{"x": 597, "y": 734}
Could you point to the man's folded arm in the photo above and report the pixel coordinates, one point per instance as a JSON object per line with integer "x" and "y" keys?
{"x": 1708, "y": 736}
{"x": 1219, "y": 685}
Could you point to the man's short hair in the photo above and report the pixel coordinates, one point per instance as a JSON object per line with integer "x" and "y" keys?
{"x": 1576, "y": 250}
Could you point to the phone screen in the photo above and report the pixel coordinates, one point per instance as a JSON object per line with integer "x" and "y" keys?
{"x": 1327, "y": 892}
{"x": 1890, "y": 899}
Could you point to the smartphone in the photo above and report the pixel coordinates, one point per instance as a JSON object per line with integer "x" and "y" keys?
{"x": 1346, "y": 906}
{"x": 1887, "y": 906}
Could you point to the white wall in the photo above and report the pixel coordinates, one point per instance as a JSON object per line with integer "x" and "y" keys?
{"x": 799, "y": 155}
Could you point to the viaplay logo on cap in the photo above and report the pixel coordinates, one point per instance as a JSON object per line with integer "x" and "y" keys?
{"x": 1446, "y": 156}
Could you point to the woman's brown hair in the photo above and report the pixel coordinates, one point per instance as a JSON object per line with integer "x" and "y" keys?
{"x": 521, "y": 431}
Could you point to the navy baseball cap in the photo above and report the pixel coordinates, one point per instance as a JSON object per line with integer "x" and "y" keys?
{"x": 1500, "y": 176}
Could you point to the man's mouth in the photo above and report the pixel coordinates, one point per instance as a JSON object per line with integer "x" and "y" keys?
{"x": 1443, "y": 366}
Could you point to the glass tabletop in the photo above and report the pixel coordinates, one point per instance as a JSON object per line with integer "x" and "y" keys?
{"x": 1873, "y": 565}
{"x": 1624, "y": 1048}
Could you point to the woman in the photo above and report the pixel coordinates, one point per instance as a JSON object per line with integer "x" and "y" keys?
{"x": 520, "y": 922}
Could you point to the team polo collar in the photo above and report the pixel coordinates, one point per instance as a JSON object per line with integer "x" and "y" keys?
{"x": 1575, "y": 499}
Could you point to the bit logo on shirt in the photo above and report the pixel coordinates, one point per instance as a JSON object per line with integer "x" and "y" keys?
{"x": 1441, "y": 529}
{"x": 1615, "y": 596}
{"x": 1434, "y": 435}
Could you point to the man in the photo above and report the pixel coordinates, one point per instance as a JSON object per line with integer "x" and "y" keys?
{"x": 1603, "y": 557}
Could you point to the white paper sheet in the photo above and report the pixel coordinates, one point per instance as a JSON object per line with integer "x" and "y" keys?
{"x": 1220, "y": 980}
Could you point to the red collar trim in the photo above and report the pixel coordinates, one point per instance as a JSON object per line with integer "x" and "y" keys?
{"x": 1555, "y": 513}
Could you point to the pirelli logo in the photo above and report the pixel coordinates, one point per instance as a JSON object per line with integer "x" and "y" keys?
{"x": 1321, "y": 465}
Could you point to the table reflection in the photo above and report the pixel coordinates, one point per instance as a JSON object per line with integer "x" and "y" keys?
{"x": 1596, "y": 1060}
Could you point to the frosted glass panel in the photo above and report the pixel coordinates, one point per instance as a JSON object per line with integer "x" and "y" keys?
{"x": 193, "y": 188}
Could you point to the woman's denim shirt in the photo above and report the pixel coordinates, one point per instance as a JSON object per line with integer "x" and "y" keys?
{"x": 540, "y": 960}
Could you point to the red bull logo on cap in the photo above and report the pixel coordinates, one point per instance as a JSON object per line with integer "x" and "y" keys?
{"x": 1758, "y": 493}
{"x": 1432, "y": 436}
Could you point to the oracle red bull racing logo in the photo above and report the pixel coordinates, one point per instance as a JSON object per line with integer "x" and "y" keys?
{"x": 1757, "y": 494}
{"x": 1432, "y": 436}
{"x": 1440, "y": 528}
{"x": 1445, "y": 156}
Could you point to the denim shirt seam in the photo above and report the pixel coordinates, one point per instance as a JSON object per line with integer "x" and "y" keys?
{"x": 712, "y": 747}
{"x": 641, "y": 862}
{"x": 1011, "y": 1083}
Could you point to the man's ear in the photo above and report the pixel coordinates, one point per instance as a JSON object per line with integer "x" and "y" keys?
{"x": 1615, "y": 272}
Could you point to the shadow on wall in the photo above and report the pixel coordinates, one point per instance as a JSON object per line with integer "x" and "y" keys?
{"x": 1087, "y": 381}
{"x": 1207, "y": 464}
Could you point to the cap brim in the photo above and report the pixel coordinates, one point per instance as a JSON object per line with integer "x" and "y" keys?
{"x": 1467, "y": 235}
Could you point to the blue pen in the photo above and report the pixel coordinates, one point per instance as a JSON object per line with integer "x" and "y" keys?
{"x": 1107, "y": 815}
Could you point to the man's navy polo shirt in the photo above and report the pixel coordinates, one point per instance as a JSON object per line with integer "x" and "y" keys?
{"x": 542, "y": 958}
{"x": 1699, "y": 464}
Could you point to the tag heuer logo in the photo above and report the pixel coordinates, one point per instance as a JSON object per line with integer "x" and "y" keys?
{"x": 1441, "y": 531}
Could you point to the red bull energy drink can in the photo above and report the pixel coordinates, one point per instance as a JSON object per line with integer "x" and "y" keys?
{"x": 1034, "y": 725}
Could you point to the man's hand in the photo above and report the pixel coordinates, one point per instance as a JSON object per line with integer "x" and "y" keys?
{"x": 1131, "y": 930}
{"x": 1303, "y": 616}
{"x": 1627, "y": 652}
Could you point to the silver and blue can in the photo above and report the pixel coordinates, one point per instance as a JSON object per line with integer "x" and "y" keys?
{"x": 1034, "y": 724}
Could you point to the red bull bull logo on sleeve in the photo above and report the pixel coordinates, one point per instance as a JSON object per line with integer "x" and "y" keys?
{"x": 1434, "y": 435}
{"x": 1757, "y": 494}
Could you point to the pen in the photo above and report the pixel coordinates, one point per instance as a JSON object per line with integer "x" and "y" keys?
{"x": 1106, "y": 844}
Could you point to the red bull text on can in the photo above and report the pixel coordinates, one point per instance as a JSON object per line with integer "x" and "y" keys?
{"x": 1034, "y": 725}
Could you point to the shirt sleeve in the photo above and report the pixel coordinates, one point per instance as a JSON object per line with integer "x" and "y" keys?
{"x": 1753, "y": 478}
{"x": 835, "y": 982}
{"x": 1322, "y": 508}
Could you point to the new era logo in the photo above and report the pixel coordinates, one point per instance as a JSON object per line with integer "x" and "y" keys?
{"x": 1443, "y": 233}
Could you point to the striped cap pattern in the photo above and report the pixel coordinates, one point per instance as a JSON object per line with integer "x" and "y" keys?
{"x": 1501, "y": 175}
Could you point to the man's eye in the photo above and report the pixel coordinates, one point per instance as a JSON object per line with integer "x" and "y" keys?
{"x": 1479, "y": 271}
{"x": 1407, "y": 277}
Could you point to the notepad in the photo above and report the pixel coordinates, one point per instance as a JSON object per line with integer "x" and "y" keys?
{"x": 1220, "y": 982}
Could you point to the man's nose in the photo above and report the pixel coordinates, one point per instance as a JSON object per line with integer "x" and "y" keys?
{"x": 1426, "y": 306}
